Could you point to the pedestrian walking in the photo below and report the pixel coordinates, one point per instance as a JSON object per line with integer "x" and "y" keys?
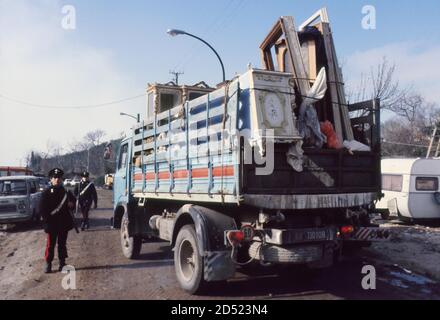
{"x": 55, "y": 206}
{"x": 86, "y": 194}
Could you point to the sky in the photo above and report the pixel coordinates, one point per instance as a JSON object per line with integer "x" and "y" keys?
{"x": 117, "y": 47}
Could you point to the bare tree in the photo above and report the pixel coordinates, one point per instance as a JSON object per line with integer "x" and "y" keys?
{"x": 380, "y": 84}
{"x": 53, "y": 149}
{"x": 94, "y": 138}
{"x": 408, "y": 106}
{"x": 409, "y": 132}
{"x": 400, "y": 139}
{"x": 431, "y": 116}
{"x": 77, "y": 146}
{"x": 385, "y": 87}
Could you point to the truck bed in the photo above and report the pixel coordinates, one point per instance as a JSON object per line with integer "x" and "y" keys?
{"x": 325, "y": 172}
{"x": 164, "y": 167}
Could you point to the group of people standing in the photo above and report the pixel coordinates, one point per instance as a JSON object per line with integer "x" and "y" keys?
{"x": 57, "y": 206}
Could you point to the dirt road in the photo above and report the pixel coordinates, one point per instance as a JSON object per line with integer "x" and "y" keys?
{"x": 103, "y": 273}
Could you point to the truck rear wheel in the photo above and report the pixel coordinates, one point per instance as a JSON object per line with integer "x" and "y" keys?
{"x": 187, "y": 261}
{"x": 131, "y": 246}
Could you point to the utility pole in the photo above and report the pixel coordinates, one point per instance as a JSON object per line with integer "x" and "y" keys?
{"x": 88, "y": 158}
{"x": 176, "y": 76}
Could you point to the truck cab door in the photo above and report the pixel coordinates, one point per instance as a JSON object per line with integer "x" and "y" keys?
{"x": 121, "y": 183}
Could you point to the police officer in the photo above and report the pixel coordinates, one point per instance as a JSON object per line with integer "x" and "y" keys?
{"x": 86, "y": 193}
{"x": 55, "y": 206}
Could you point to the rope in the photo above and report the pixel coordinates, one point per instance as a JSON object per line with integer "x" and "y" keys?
{"x": 293, "y": 94}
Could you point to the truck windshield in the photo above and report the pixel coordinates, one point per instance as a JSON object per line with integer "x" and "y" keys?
{"x": 13, "y": 187}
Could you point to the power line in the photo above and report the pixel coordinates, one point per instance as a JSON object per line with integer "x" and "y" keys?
{"x": 223, "y": 19}
{"x": 88, "y": 106}
{"x": 188, "y": 54}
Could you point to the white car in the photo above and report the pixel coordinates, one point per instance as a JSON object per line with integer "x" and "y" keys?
{"x": 68, "y": 182}
{"x": 75, "y": 182}
{"x": 19, "y": 199}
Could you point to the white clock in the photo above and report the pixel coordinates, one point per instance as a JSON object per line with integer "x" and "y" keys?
{"x": 273, "y": 110}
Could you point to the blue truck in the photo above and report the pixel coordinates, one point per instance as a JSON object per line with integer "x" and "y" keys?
{"x": 226, "y": 177}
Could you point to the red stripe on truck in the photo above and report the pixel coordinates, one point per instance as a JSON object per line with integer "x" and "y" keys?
{"x": 228, "y": 171}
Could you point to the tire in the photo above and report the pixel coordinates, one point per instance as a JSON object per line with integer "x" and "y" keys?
{"x": 131, "y": 246}
{"x": 187, "y": 261}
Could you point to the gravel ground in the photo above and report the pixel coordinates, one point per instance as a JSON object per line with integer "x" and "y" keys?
{"x": 407, "y": 268}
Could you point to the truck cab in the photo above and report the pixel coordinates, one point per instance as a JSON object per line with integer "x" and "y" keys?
{"x": 121, "y": 181}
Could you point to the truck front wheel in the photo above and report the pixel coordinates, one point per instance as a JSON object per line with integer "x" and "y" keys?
{"x": 187, "y": 261}
{"x": 131, "y": 246}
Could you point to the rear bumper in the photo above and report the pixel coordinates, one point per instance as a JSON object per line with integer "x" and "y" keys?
{"x": 319, "y": 255}
{"x": 312, "y": 201}
{"x": 300, "y": 236}
{"x": 311, "y": 246}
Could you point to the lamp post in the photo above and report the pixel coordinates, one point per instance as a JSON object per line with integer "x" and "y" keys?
{"x": 175, "y": 32}
{"x": 138, "y": 118}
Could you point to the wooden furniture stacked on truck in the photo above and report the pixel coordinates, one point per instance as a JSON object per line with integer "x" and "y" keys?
{"x": 304, "y": 52}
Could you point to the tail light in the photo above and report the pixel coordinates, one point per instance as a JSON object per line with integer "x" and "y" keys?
{"x": 346, "y": 231}
{"x": 235, "y": 236}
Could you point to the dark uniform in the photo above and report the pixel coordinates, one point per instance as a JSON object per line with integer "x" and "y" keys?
{"x": 55, "y": 206}
{"x": 86, "y": 192}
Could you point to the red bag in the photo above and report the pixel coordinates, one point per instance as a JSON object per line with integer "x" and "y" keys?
{"x": 332, "y": 139}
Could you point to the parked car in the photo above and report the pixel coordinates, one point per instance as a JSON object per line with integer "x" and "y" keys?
{"x": 44, "y": 183}
{"x": 108, "y": 181}
{"x": 20, "y": 198}
{"x": 75, "y": 182}
{"x": 68, "y": 182}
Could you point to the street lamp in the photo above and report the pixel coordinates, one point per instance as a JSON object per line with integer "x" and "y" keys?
{"x": 138, "y": 118}
{"x": 175, "y": 32}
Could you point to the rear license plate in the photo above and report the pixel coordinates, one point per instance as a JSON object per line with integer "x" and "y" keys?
{"x": 316, "y": 235}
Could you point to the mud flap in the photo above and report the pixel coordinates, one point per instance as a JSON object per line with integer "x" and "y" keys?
{"x": 218, "y": 266}
{"x": 139, "y": 220}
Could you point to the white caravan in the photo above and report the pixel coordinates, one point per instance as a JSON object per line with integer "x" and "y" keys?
{"x": 411, "y": 188}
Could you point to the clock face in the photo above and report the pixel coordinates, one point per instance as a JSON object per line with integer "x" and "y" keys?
{"x": 273, "y": 110}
